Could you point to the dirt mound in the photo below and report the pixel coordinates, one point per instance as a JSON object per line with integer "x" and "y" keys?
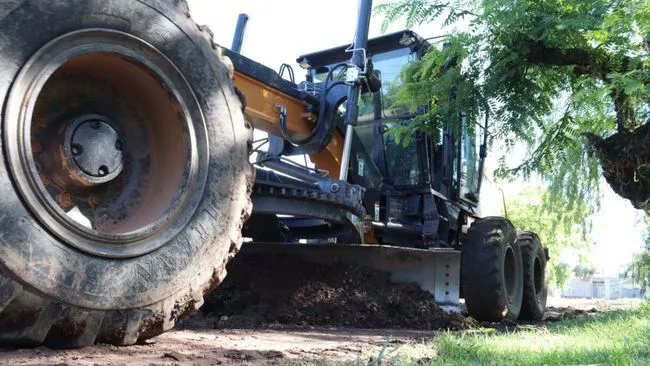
{"x": 556, "y": 314}
{"x": 280, "y": 290}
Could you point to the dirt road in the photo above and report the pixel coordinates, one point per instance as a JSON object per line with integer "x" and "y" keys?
{"x": 259, "y": 347}
{"x": 225, "y": 347}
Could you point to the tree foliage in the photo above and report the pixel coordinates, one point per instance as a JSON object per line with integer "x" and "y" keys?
{"x": 583, "y": 271}
{"x": 560, "y": 275}
{"x": 569, "y": 78}
{"x": 526, "y": 212}
{"x": 638, "y": 270}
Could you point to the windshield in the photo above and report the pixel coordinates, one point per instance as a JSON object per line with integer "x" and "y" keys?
{"x": 388, "y": 66}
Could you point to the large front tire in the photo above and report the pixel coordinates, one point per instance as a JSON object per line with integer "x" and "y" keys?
{"x": 491, "y": 270}
{"x": 159, "y": 226}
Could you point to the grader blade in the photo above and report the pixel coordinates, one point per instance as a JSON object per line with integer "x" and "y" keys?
{"x": 436, "y": 271}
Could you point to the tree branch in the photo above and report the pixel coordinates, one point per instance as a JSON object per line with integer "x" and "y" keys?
{"x": 462, "y": 13}
{"x": 625, "y": 116}
{"x": 585, "y": 61}
{"x": 594, "y": 62}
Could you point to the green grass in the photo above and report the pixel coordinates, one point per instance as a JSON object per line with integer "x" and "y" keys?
{"x": 615, "y": 338}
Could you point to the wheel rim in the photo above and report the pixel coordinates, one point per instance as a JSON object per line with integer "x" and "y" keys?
{"x": 106, "y": 143}
{"x": 509, "y": 273}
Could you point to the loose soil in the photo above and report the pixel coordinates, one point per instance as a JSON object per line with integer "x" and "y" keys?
{"x": 273, "y": 291}
{"x": 560, "y": 309}
{"x": 287, "y": 312}
{"x": 225, "y": 347}
{"x": 260, "y": 347}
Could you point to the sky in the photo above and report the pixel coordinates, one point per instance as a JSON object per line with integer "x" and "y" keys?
{"x": 279, "y": 31}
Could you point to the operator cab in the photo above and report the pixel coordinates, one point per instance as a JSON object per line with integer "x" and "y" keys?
{"x": 419, "y": 186}
{"x": 388, "y": 55}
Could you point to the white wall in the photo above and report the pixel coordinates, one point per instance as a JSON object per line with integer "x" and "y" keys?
{"x": 579, "y": 288}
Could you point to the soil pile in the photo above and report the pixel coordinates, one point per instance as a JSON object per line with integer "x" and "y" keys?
{"x": 280, "y": 290}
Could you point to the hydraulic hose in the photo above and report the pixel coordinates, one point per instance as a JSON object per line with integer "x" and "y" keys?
{"x": 284, "y": 130}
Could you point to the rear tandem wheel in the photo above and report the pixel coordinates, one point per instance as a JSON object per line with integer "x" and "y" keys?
{"x": 119, "y": 210}
{"x": 535, "y": 288}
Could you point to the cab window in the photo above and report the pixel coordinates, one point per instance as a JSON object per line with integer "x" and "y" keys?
{"x": 402, "y": 160}
{"x": 388, "y": 66}
{"x": 470, "y": 147}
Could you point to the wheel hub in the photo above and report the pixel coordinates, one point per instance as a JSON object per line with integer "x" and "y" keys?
{"x": 119, "y": 187}
{"x": 95, "y": 148}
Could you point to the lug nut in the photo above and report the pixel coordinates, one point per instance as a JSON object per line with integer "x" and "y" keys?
{"x": 103, "y": 171}
{"x": 76, "y": 150}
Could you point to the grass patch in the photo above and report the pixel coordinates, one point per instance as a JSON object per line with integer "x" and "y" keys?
{"x": 619, "y": 337}
{"x": 615, "y": 338}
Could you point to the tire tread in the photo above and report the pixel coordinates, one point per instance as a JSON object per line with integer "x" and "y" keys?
{"x": 60, "y": 325}
{"x": 480, "y": 271}
{"x": 531, "y": 309}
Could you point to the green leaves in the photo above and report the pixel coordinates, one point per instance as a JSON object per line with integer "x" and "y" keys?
{"x": 546, "y": 72}
{"x": 528, "y": 211}
{"x": 417, "y": 12}
{"x": 638, "y": 270}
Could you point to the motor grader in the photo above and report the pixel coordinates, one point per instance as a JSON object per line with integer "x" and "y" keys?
{"x": 126, "y": 182}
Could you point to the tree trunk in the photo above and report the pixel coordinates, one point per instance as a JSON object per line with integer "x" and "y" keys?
{"x": 625, "y": 160}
